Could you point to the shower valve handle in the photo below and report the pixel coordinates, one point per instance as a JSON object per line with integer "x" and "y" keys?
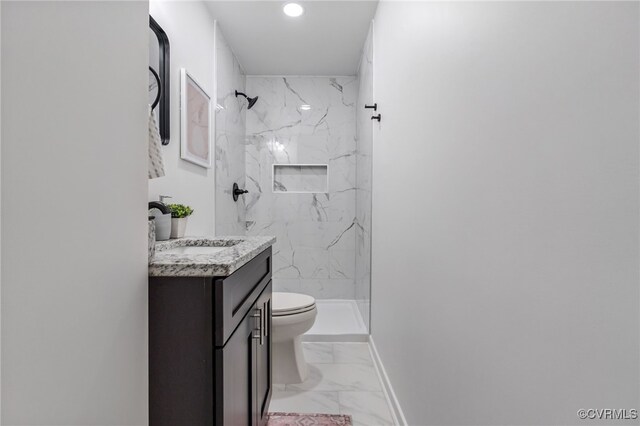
{"x": 238, "y": 192}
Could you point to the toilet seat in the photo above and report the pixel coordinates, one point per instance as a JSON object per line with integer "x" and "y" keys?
{"x": 285, "y": 304}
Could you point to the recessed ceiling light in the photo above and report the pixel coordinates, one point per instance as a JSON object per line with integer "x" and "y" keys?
{"x": 305, "y": 107}
{"x": 293, "y": 9}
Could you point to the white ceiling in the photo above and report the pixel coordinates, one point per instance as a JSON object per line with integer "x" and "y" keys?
{"x": 326, "y": 40}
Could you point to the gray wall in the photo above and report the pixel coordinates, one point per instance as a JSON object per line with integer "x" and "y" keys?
{"x": 74, "y": 225}
{"x": 505, "y": 209}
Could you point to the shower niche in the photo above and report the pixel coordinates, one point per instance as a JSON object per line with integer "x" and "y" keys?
{"x": 300, "y": 178}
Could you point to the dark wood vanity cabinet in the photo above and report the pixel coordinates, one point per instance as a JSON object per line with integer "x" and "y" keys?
{"x": 210, "y": 348}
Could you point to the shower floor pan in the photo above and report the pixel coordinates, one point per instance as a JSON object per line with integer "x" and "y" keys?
{"x": 337, "y": 321}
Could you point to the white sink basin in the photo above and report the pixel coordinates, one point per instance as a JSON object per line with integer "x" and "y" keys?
{"x": 193, "y": 250}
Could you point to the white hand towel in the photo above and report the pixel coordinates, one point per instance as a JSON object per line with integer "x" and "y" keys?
{"x": 156, "y": 165}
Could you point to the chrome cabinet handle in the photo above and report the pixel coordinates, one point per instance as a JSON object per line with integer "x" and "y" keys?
{"x": 260, "y": 333}
{"x": 266, "y": 319}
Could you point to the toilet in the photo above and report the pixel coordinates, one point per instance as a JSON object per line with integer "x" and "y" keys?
{"x": 293, "y": 314}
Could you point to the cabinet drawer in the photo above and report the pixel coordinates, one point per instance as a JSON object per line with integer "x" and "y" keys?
{"x": 234, "y": 295}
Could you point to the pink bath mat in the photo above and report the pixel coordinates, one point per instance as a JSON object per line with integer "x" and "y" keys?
{"x": 296, "y": 419}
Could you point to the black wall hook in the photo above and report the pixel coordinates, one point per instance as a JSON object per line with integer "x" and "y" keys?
{"x": 376, "y": 117}
{"x": 374, "y": 106}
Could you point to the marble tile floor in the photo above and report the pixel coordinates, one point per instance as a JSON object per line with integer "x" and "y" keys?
{"x": 342, "y": 380}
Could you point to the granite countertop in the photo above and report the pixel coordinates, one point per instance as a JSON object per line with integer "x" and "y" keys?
{"x": 238, "y": 251}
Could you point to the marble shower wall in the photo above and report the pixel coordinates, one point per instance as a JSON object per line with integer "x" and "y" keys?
{"x": 305, "y": 120}
{"x": 364, "y": 132}
{"x": 229, "y": 142}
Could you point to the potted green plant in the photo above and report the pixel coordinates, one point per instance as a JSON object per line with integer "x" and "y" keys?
{"x": 179, "y": 215}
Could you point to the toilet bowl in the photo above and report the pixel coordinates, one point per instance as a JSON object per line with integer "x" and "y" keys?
{"x": 292, "y": 315}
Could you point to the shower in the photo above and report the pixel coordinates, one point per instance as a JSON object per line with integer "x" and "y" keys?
{"x": 252, "y": 101}
{"x": 299, "y": 193}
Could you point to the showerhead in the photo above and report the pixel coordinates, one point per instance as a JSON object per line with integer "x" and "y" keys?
{"x": 252, "y": 101}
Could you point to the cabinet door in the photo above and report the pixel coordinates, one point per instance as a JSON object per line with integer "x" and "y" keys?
{"x": 263, "y": 358}
{"x": 236, "y": 377}
{"x": 181, "y": 352}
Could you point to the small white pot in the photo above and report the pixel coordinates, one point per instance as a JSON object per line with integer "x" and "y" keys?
{"x": 163, "y": 226}
{"x": 178, "y": 227}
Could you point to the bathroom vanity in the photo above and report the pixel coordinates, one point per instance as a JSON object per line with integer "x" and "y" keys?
{"x": 210, "y": 332}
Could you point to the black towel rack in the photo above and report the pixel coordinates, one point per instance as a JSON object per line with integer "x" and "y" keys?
{"x": 157, "y": 77}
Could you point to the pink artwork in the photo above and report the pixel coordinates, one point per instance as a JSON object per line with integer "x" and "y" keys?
{"x": 296, "y": 419}
{"x": 195, "y": 122}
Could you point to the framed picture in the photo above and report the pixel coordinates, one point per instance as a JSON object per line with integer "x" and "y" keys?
{"x": 195, "y": 121}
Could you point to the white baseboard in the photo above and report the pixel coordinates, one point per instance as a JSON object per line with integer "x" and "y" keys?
{"x": 392, "y": 400}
